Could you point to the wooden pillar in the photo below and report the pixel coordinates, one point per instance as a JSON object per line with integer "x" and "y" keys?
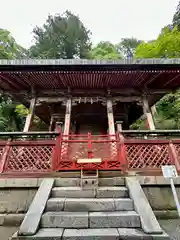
{"x": 119, "y": 126}
{"x": 30, "y": 116}
{"x": 110, "y": 117}
{"x": 51, "y": 124}
{"x": 148, "y": 114}
{"x": 67, "y": 121}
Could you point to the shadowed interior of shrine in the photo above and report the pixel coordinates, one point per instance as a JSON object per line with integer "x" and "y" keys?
{"x": 92, "y": 114}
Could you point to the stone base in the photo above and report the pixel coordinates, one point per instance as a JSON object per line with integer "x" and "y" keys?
{"x": 91, "y": 234}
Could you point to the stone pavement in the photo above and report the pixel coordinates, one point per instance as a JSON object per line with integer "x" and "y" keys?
{"x": 7, "y": 232}
{"x": 172, "y": 227}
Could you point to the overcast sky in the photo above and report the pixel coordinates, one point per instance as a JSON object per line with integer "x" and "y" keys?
{"x": 107, "y": 19}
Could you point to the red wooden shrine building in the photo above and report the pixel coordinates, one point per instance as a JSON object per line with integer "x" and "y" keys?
{"x": 88, "y": 106}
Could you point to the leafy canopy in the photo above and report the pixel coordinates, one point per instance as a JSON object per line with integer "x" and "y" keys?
{"x": 176, "y": 17}
{"x": 9, "y": 49}
{"x": 105, "y": 50}
{"x": 128, "y": 46}
{"x": 167, "y": 45}
{"x": 62, "y": 36}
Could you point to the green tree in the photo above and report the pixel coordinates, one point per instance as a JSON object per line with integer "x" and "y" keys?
{"x": 167, "y": 45}
{"x": 105, "y": 50}
{"x": 128, "y": 46}
{"x": 38, "y": 124}
{"x": 9, "y": 49}
{"x": 10, "y": 119}
{"x": 62, "y": 36}
{"x": 176, "y": 17}
{"x": 169, "y": 108}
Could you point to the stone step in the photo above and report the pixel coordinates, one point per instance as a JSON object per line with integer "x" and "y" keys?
{"x": 138, "y": 234}
{"x": 64, "y": 220}
{"x": 100, "y": 192}
{"x": 75, "y": 182}
{"x": 91, "y": 234}
{"x": 43, "y": 234}
{"x": 89, "y": 204}
{"x": 109, "y": 234}
{"x": 129, "y": 219}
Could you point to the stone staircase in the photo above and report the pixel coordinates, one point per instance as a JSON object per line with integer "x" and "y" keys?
{"x": 60, "y": 211}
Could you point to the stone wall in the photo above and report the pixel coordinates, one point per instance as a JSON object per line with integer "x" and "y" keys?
{"x": 16, "y": 196}
{"x": 159, "y": 194}
{"x": 161, "y": 198}
{"x": 16, "y": 200}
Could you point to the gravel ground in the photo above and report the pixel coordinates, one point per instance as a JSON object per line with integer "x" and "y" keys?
{"x": 172, "y": 227}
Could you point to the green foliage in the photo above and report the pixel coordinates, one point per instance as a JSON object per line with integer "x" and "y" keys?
{"x": 10, "y": 120}
{"x": 167, "y": 45}
{"x": 9, "y": 49}
{"x": 21, "y": 110}
{"x": 38, "y": 124}
{"x": 128, "y": 46}
{"x": 62, "y": 36}
{"x": 105, "y": 50}
{"x": 176, "y": 17}
{"x": 139, "y": 124}
{"x": 169, "y": 108}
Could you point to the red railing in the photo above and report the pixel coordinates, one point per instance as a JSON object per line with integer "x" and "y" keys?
{"x": 147, "y": 151}
{"x": 75, "y": 147}
{"x": 150, "y": 155}
{"x": 20, "y": 155}
{"x": 125, "y": 151}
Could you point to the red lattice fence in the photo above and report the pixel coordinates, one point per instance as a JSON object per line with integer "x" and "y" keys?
{"x": 61, "y": 154}
{"x": 34, "y": 156}
{"x": 150, "y": 155}
{"x": 28, "y": 156}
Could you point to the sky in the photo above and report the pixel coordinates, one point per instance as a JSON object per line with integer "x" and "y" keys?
{"x": 107, "y": 20}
